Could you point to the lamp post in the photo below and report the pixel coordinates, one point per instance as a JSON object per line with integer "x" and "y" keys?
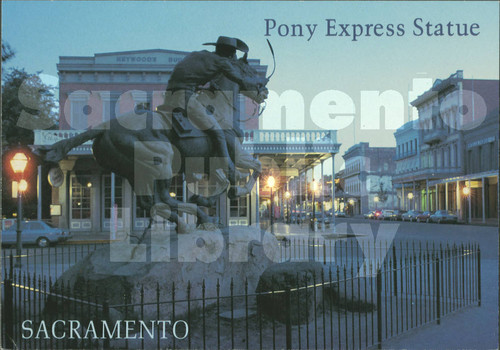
{"x": 270, "y": 183}
{"x": 314, "y": 189}
{"x": 376, "y": 199}
{"x": 18, "y": 164}
{"x": 410, "y": 197}
{"x": 466, "y": 191}
{"x": 287, "y": 196}
{"x": 351, "y": 202}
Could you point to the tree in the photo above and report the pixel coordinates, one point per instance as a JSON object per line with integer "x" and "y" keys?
{"x": 27, "y": 104}
{"x": 7, "y": 52}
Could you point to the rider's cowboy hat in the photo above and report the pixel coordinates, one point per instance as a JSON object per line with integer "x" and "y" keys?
{"x": 232, "y": 42}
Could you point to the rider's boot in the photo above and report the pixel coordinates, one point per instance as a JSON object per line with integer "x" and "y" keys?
{"x": 219, "y": 139}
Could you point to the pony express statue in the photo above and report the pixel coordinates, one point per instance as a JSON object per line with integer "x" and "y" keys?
{"x": 196, "y": 121}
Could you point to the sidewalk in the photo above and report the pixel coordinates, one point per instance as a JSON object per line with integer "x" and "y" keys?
{"x": 85, "y": 237}
{"x": 280, "y": 230}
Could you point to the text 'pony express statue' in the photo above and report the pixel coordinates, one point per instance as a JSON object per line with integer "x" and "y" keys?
{"x": 191, "y": 132}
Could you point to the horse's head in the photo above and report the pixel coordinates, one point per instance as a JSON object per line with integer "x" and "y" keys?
{"x": 254, "y": 86}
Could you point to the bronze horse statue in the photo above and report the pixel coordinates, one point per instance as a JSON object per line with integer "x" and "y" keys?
{"x": 148, "y": 149}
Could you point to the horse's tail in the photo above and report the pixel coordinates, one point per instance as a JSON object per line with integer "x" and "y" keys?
{"x": 58, "y": 151}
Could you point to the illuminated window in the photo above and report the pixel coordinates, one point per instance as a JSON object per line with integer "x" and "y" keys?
{"x": 80, "y": 198}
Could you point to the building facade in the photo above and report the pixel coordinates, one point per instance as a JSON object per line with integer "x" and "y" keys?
{"x": 457, "y": 135}
{"x": 97, "y": 88}
{"x": 407, "y": 161}
{"x": 367, "y": 178}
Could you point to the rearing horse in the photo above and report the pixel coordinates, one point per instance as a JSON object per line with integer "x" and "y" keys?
{"x": 144, "y": 148}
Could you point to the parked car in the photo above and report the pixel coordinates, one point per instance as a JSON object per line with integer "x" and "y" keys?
{"x": 443, "y": 216}
{"x": 410, "y": 215}
{"x": 424, "y": 217}
{"x": 298, "y": 218}
{"x": 340, "y": 214}
{"x": 399, "y": 214}
{"x": 33, "y": 232}
{"x": 387, "y": 214}
{"x": 370, "y": 215}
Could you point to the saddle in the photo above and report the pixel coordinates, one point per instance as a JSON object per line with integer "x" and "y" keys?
{"x": 183, "y": 127}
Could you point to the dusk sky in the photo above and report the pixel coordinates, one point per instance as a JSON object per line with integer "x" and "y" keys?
{"x": 40, "y": 32}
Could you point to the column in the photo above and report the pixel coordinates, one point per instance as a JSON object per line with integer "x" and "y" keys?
{"x": 300, "y": 198}
{"x": 332, "y": 224}
{"x": 39, "y": 193}
{"x": 323, "y": 198}
{"x": 437, "y": 197}
{"x": 457, "y": 195}
{"x": 414, "y": 198}
{"x": 469, "y": 200}
{"x": 427, "y": 194}
{"x": 446, "y": 195}
{"x": 305, "y": 189}
{"x": 113, "y": 218}
{"x": 403, "y": 197}
{"x": 257, "y": 211}
{"x": 184, "y": 195}
{"x": 483, "y": 200}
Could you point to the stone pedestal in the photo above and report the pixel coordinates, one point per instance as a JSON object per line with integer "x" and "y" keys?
{"x": 302, "y": 300}
{"x": 122, "y": 271}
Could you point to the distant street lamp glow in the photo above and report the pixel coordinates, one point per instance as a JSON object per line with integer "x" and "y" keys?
{"x": 410, "y": 195}
{"x": 23, "y": 185}
{"x": 466, "y": 191}
{"x": 19, "y": 162}
{"x": 271, "y": 181}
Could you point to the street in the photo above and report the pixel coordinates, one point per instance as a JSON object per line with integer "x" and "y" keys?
{"x": 470, "y": 328}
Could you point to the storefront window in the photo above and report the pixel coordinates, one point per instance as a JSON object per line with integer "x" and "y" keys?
{"x": 238, "y": 207}
{"x": 80, "y": 198}
{"x": 107, "y": 196}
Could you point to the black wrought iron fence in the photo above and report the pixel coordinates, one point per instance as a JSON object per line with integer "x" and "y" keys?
{"x": 353, "y": 306}
{"x": 349, "y": 250}
{"x": 49, "y": 261}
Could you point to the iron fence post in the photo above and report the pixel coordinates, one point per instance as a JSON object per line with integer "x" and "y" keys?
{"x": 478, "y": 276}
{"x": 438, "y": 296}
{"x": 379, "y": 308}
{"x": 8, "y": 313}
{"x": 105, "y": 311}
{"x": 288, "y": 320}
{"x": 395, "y": 270}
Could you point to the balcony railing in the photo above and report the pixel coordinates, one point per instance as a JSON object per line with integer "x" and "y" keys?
{"x": 434, "y": 135}
{"x": 304, "y": 140}
{"x": 290, "y": 136}
{"x": 48, "y": 137}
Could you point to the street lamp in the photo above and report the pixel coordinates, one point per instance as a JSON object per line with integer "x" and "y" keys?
{"x": 466, "y": 191}
{"x": 18, "y": 164}
{"x": 376, "y": 199}
{"x": 410, "y": 197}
{"x": 271, "y": 182}
{"x": 315, "y": 188}
{"x": 287, "y": 196}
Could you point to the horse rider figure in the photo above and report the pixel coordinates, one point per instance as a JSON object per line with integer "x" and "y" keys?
{"x": 197, "y": 70}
